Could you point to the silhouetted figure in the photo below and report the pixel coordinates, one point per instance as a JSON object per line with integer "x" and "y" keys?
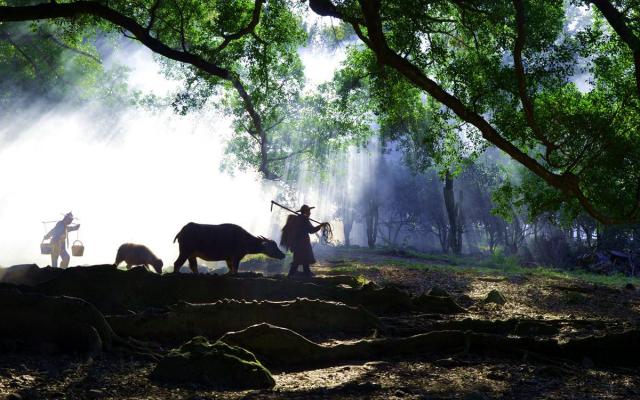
{"x": 295, "y": 237}
{"x": 58, "y": 237}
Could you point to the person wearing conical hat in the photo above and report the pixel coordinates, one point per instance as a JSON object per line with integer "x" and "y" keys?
{"x": 296, "y": 238}
{"x": 58, "y": 237}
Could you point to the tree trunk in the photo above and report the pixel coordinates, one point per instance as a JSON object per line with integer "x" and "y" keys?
{"x": 372, "y": 223}
{"x": 347, "y": 225}
{"x": 443, "y": 237}
{"x": 454, "y": 214}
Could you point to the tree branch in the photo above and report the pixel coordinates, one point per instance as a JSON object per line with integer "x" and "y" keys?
{"x": 521, "y": 78}
{"x": 7, "y": 37}
{"x": 249, "y": 29}
{"x": 58, "y": 42}
{"x": 567, "y": 183}
{"x": 152, "y": 14}
{"x": 69, "y": 10}
{"x": 618, "y": 22}
{"x": 289, "y": 155}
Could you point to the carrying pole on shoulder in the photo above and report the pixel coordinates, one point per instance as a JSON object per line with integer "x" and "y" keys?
{"x": 290, "y": 210}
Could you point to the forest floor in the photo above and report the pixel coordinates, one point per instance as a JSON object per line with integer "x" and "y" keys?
{"x": 531, "y": 293}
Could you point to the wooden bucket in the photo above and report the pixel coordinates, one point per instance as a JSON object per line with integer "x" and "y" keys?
{"x": 77, "y": 249}
{"x": 46, "y": 247}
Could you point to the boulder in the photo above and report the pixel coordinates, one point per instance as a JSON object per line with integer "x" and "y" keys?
{"x": 496, "y": 297}
{"x": 216, "y": 365}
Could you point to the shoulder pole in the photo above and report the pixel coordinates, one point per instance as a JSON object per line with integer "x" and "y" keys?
{"x": 290, "y": 210}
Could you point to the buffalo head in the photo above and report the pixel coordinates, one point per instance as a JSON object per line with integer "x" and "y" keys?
{"x": 271, "y": 249}
{"x": 157, "y": 265}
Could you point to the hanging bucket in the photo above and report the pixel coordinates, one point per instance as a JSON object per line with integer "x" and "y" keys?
{"x": 77, "y": 249}
{"x": 46, "y": 247}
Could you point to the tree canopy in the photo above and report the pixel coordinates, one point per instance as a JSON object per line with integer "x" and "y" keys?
{"x": 560, "y": 98}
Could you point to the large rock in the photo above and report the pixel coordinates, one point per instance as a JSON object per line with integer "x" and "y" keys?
{"x": 185, "y": 320}
{"x": 217, "y": 365}
{"x": 496, "y": 297}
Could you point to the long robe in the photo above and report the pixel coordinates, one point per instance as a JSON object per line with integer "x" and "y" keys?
{"x": 301, "y": 244}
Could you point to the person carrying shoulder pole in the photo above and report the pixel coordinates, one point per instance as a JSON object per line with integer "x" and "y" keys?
{"x": 58, "y": 237}
{"x": 295, "y": 237}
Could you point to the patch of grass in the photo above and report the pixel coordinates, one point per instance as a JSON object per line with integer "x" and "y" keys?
{"x": 497, "y": 264}
{"x": 256, "y": 257}
{"x": 361, "y": 280}
{"x": 351, "y": 268}
{"x": 440, "y": 258}
{"x": 458, "y": 269}
{"x": 617, "y": 280}
{"x": 500, "y": 265}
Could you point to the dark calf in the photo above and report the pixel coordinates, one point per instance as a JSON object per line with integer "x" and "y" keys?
{"x": 226, "y": 242}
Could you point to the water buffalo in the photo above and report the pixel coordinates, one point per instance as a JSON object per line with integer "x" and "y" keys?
{"x": 137, "y": 254}
{"x": 226, "y": 242}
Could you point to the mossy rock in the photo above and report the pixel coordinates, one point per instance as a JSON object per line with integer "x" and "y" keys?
{"x": 496, "y": 297}
{"x": 216, "y": 365}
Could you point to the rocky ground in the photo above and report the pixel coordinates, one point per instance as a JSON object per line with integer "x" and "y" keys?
{"x": 573, "y": 309}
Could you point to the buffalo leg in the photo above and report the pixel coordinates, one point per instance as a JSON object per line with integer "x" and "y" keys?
{"x": 230, "y": 265}
{"x": 193, "y": 264}
{"x": 236, "y": 265}
{"x": 179, "y": 263}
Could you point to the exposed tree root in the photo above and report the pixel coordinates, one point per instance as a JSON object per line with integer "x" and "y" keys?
{"x": 184, "y": 320}
{"x": 59, "y": 324}
{"x": 513, "y": 326}
{"x": 283, "y": 349}
{"x": 115, "y": 292}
